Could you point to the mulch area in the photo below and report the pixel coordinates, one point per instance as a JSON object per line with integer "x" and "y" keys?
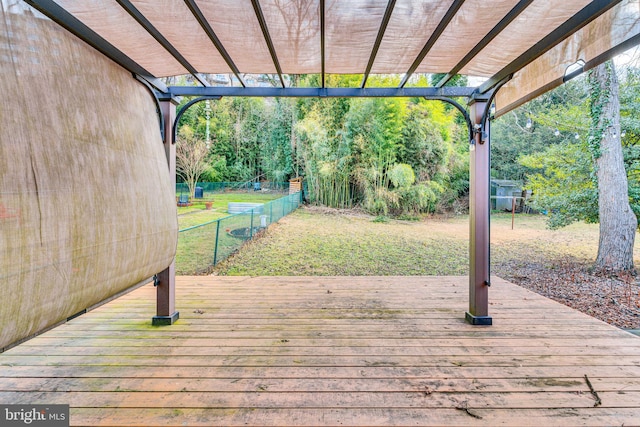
{"x": 615, "y": 300}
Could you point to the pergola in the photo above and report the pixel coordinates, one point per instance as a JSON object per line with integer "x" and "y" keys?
{"x": 519, "y": 49}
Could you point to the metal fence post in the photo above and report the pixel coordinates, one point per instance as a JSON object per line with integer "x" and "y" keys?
{"x": 215, "y": 248}
{"x": 251, "y": 229}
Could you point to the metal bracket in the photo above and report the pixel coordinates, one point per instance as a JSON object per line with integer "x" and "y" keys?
{"x": 156, "y": 282}
{"x": 462, "y": 110}
{"x": 487, "y": 98}
{"x": 184, "y": 109}
{"x": 477, "y": 129}
{"x": 487, "y": 108}
{"x": 151, "y": 90}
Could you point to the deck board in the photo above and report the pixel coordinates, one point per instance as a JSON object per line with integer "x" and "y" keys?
{"x": 330, "y": 351}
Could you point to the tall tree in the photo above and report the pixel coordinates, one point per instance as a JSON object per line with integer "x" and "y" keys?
{"x": 373, "y": 128}
{"x": 275, "y": 150}
{"x": 555, "y": 119}
{"x": 618, "y": 223}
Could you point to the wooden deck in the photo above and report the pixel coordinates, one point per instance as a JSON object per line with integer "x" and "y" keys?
{"x": 331, "y": 351}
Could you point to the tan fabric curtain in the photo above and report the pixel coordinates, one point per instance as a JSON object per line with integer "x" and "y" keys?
{"x": 592, "y": 44}
{"x": 86, "y": 205}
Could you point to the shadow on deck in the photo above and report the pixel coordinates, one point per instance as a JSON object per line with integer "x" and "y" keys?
{"x": 331, "y": 351}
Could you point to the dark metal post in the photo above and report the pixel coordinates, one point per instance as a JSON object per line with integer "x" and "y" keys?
{"x": 215, "y": 249}
{"x": 166, "y": 313}
{"x": 251, "y": 229}
{"x": 479, "y": 209}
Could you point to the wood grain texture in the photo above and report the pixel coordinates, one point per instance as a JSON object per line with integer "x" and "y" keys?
{"x": 330, "y": 351}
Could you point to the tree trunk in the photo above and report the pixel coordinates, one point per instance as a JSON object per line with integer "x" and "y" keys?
{"x": 618, "y": 223}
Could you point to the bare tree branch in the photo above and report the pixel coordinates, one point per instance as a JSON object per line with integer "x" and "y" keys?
{"x": 191, "y": 160}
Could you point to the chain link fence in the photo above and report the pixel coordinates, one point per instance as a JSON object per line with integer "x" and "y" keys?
{"x": 203, "y": 246}
{"x": 204, "y": 188}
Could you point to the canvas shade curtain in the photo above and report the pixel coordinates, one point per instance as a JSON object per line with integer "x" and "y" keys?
{"x": 617, "y": 27}
{"x": 86, "y": 205}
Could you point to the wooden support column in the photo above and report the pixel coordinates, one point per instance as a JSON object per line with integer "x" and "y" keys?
{"x": 479, "y": 210}
{"x": 166, "y": 313}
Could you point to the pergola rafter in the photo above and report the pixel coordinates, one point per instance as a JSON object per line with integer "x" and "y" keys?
{"x": 144, "y": 22}
{"x": 76, "y": 27}
{"x": 389, "y": 15}
{"x": 444, "y": 23}
{"x": 267, "y": 38}
{"x": 376, "y": 44}
{"x": 204, "y": 23}
{"x": 504, "y": 22}
{"x": 323, "y": 52}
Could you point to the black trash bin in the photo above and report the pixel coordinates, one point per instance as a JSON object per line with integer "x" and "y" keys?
{"x": 199, "y": 193}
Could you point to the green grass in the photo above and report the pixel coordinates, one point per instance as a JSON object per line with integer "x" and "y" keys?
{"x": 307, "y": 243}
{"x": 197, "y": 246}
{"x": 311, "y": 242}
{"x": 197, "y": 213}
{"x": 199, "y": 217}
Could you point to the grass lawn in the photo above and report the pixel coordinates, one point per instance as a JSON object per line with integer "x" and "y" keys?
{"x": 314, "y": 242}
{"x": 195, "y": 214}
{"x": 197, "y": 246}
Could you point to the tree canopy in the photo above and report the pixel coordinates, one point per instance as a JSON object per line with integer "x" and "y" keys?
{"x": 390, "y": 156}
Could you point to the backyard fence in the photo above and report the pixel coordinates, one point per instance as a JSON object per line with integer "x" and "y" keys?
{"x": 219, "y": 187}
{"x": 202, "y": 246}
